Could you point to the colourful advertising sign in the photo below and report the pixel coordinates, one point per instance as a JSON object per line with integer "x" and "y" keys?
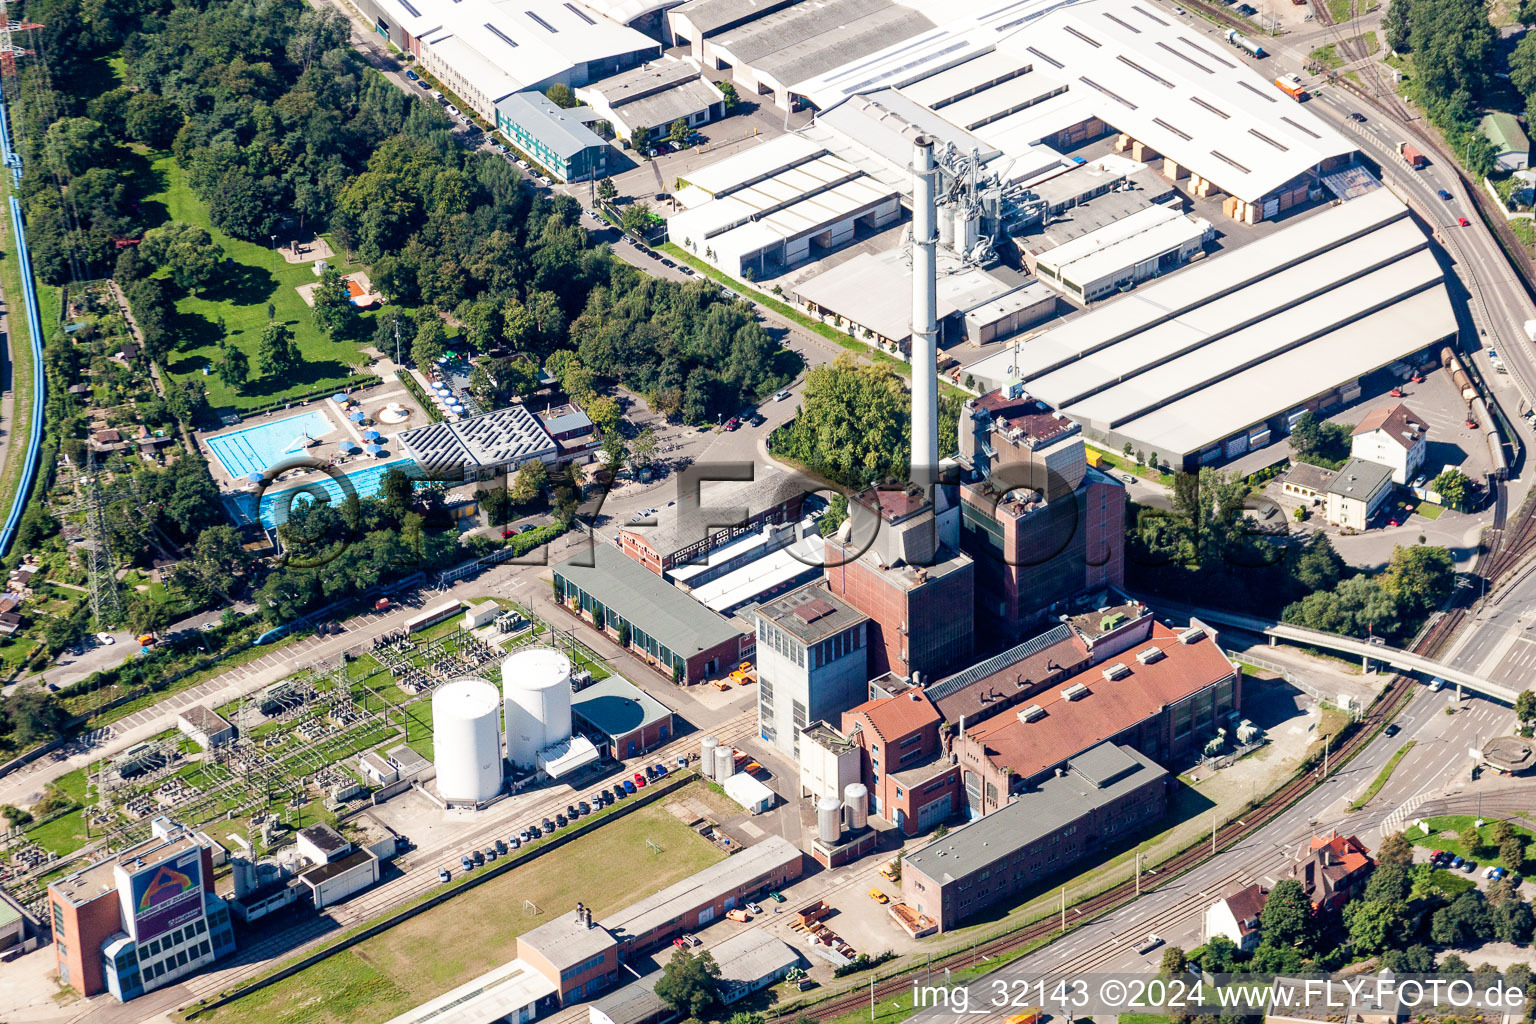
{"x": 167, "y": 896}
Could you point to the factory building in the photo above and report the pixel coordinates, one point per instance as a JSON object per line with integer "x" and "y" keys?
{"x": 910, "y": 580}
{"x": 1148, "y": 243}
{"x": 775, "y": 206}
{"x": 710, "y": 516}
{"x": 1041, "y": 524}
{"x": 139, "y": 921}
{"x": 624, "y": 718}
{"x": 555, "y": 138}
{"x": 812, "y": 662}
{"x": 673, "y": 633}
{"x": 1105, "y": 794}
{"x": 912, "y": 782}
{"x": 486, "y": 50}
{"x": 748, "y": 962}
{"x": 483, "y": 447}
{"x": 1166, "y": 699}
{"x": 1225, "y": 356}
{"x": 649, "y": 100}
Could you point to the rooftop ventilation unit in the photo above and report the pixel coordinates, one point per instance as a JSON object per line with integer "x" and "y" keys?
{"x": 1191, "y": 635}
{"x": 1077, "y": 691}
{"x": 1032, "y": 713}
{"x": 1118, "y": 670}
{"x": 1150, "y": 655}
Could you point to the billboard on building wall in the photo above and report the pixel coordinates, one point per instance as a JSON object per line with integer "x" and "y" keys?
{"x": 166, "y": 896}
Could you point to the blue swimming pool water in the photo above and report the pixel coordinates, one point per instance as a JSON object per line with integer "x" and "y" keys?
{"x": 253, "y": 449}
{"x": 275, "y": 504}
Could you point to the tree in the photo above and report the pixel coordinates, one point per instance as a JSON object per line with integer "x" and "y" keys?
{"x": 1395, "y": 25}
{"x": 640, "y": 138}
{"x": 186, "y": 250}
{"x": 1220, "y": 956}
{"x": 532, "y": 476}
{"x": 852, "y": 425}
{"x": 152, "y": 120}
{"x": 1500, "y": 832}
{"x": 728, "y": 91}
{"x": 430, "y": 343}
{"x": 604, "y": 413}
{"x": 607, "y": 191}
{"x": 1512, "y": 853}
{"x": 1466, "y": 922}
{"x": 1525, "y": 706}
{"x": 690, "y": 983}
{"x": 1174, "y": 962}
{"x": 234, "y": 368}
{"x": 642, "y": 450}
{"x": 1511, "y": 920}
{"x": 636, "y": 219}
{"x": 679, "y": 131}
{"x": 1395, "y": 849}
{"x": 276, "y": 353}
{"x": 34, "y": 716}
{"x": 73, "y": 145}
{"x": 561, "y": 95}
{"x": 835, "y": 515}
{"x": 334, "y": 311}
{"x": 1286, "y": 920}
{"x": 396, "y": 492}
{"x": 1451, "y": 485}
{"x": 1379, "y": 917}
{"x": 1472, "y": 840}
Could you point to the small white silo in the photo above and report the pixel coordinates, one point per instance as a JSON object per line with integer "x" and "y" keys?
{"x": 707, "y": 755}
{"x": 536, "y": 698}
{"x": 466, "y": 735}
{"x": 856, "y": 799}
{"x": 828, "y": 819}
{"x": 725, "y": 764}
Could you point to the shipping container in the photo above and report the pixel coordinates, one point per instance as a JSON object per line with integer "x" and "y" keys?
{"x": 1095, "y": 458}
{"x": 1412, "y": 155}
{"x": 1258, "y": 438}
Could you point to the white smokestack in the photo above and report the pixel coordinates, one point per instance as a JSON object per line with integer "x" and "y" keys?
{"x": 925, "y": 328}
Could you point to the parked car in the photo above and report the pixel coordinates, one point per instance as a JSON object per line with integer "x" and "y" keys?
{"x": 661, "y": 771}
{"x": 878, "y": 896}
{"x": 422, "y": 84}
{"x": 105, "y": 639}
{"x": 549, "y": 826}
{"x": 733, "y": 423}
{"x": 680, "y": 943}
{"x": 755, "y": 908}
{"x": 454, "y": 111}
{"x": 584, "y": 807}
{"x": 479, "y": 857}
{"x": 469, "y": 865}
{"x": 694, "y": 940}
{"x": 1469, "y": 867}
{"x": 639, "y": 779}
{"x": 490, "y": 853}
{"x": 756, "y": 420}
{"x": 560, "y": 820}
{"x": 443, "y": 875}
{"x": 777, "y": 897}
{"x": 629, "y": 786}
{"x": 413, "y": 76}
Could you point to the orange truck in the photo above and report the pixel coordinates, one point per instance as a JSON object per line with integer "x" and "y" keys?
{"x": 1292, "y": 86}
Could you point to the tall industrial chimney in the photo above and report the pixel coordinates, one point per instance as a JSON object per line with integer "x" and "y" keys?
{"x": 925, "y": 328}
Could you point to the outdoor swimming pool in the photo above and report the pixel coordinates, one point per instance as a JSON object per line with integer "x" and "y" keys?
{"x": 366, "y": 481}
{"x": 253, "y": 449}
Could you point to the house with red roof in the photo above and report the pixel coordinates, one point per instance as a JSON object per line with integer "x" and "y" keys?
{"x": 912, "y": 782}
{"x": 1236, "y": 917}
{"x": 1332, "y": 869}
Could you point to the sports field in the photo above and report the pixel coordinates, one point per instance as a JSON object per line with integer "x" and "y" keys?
{"x": 473, "y": 933}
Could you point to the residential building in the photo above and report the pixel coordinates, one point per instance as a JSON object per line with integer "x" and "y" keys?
{"x": 648, "y": 100}
{"x": 1306, "y": 482}
{"x": 708, "y": 514}
{"x": 912, "y": 580}
{"x": 573, "y": 431}
{"x": 139, "y": 921}
{"x": 621, "y": 718}
{"x": 1332, "y": 869}
{"x": 1395, "y": 436}
{"x": 556, "y": 139}
{"x": 1236, "y": 917}
{"x": 1041, "y": 524}
{"x": 670, "y": 631}
{"x": 912, "y": 782}
{"x": 1104, "y": 796}
{"x": 812, "y": 662}
{"x": 1511, "y": 146}
{"x": 1166, "y": 700}
{"x": 1357, "y": 493}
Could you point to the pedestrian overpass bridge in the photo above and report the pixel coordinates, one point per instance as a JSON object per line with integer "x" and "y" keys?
{"x": 1398, "y": 658}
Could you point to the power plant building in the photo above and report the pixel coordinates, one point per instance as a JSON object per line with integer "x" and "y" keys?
{"x": 812, "y": 662}
{"x": 139, "y": 921}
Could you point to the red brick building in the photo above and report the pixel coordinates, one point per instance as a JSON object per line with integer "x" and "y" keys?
{"x": 911, "y": 781}
{"x": 916, "y": 586}
{"x": 1165, "y": 697}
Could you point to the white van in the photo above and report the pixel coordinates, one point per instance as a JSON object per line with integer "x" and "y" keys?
{"x": 438, "y": 96}
{"x": 453, "y": 110}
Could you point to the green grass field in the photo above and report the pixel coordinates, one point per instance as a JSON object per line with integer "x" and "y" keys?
{"x": 1486, "y": 857}
{"x": 257, "y": 277}
{"x": 19, "y": 341}
{"x": 476, "y": 932}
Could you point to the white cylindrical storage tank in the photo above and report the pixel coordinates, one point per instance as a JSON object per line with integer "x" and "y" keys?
{"x": 856, "y": 799}
{"x": 828, "y": 825}
{"x": 467, "y": 738}
{"x": 536, "y": 695}
{"x": 967, "y": 229}
{"x": 725, "y": 763}
{"x": 945, "y": 223}
{"x": 707, "y": 755}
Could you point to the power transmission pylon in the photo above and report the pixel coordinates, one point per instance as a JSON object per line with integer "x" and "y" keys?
{"x": 9, "y": 51}
{"x": 106, "y": 604}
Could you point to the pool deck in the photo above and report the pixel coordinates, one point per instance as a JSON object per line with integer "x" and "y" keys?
{"x": 328, "y": 447}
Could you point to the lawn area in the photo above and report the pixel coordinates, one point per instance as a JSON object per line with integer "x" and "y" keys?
{"x": 1382, "y": 777}
{"x": 1328, "y": 56}
{"x": 258, "y": 276}
{"x": 1429, "y": 510}
{"x": 1338, "y": 10}
{"x": 20, "y": 342}
{"x": 1486, "y": 857}
{"x": 414, "y": 962}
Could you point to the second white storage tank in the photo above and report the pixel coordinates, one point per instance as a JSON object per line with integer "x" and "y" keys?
{"x": 536, "y": 697}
